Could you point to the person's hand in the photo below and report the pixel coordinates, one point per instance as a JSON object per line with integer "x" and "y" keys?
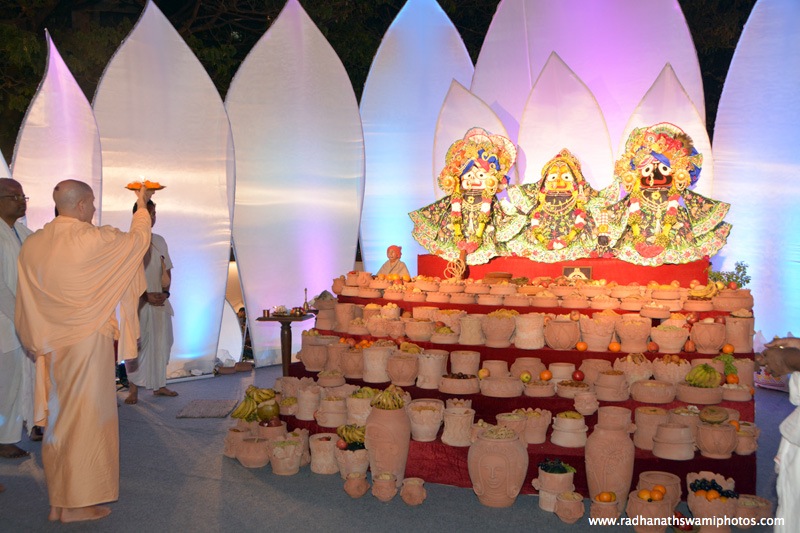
{"x": 788, "y": 342}
{"x": 156, "y": 299}
{"x": 143, "y": 194}
{"x": 779, "y": 359}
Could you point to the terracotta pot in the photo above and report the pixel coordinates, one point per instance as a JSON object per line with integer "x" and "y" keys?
{"x": 747, "y": 440}
{"x": 384, "y": 486}
{"x": 307, "y": 402}
{"x": 352, "y": 363}
{"x": 332, "y": 412}
{"x": 701, "y": 507}
{"x": 633, "y": 334}
{"x": 561, "y": 371}
{"x": 402, "y": 369}
{"x": 671, "y": 482}
{"x": 432, "y": 366}
{"x": 611, "y": 386}
{"x": 699, "y": 395}
{"x": 498, "y": 330}
{"x": 426, "y": 415}
{"x": 708, "y": 338}
{"x": 313, "y": 357}
{"x": 271, "y": 432}
{"x": 420, "y": 330}
{"x": 653, "y": 391}
{"x": 233, "y": 439}
{"x": 739, "y": 332}
{"x": 586, "y": 403}
{"x": 687, "y": 419}
{"x": 356, "y": 484}
{"x": 752, "y": 508}
{"x": 533, "y": 365}
{"x": 745, "y": 369}
{"x": 376, "y": 360}
{"x": 716, "y": 441}
{"x": 334, "y": 358}
{"x": 562, "y": 334}
{"x": 413, "y": 491}
{"x": 570, "y": 507}
{"x": 609, "y": 460}
{"x": 614, "y": 415}
{"x": 345, "y": 312}
{"x": 323, "y": 453}
{"x": 338, "y": 285}
{"x": 395, "y": 328}
{"x": 669, "y": 340}
{"x": 536, "y": 426}
{"x": 604, "y": 510}
{"x": 550, "y": 485}
{"x": 497, "y": 469}
{"x": 465, "y": 362}
{"x": 597, "y": 342}
{"x": 673, "y": 441}
{"x": 497, "y": 368}
{"x": 502, "y": 387}
{"x": 671, "y": 372}
{"x": 285, "y": 456}
{"x": 388, "y": 433}
{"x": 391, "y": 311}
{"x": 513, "y": 421}
{"x": 529, "y": 331}
{"x": 647, "y": 420}
{"x": 350, "y": 461}
{"x": 637, "y": 507}
{"x": 458, "y": 426}
{"x": 591, "y": 368}
{"x": 358, "y": 410}
{"x": 376, "y": 326}
{"x": 471, "y": 331}
{"x": 253, "y": 453}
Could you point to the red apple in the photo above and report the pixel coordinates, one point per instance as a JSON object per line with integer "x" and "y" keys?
{"x": 341, "y": 444}
{"x": 274, "y": 422}
{"x": 652, "y": 346}
{"x": 439, "y": 324}
{"x": 719, "y": 319}
{"x": 691, "y": 318}
{"x": 575, "y": 316}
{"x": 578, "y": 375}
{"x": 694, "y": 283}
{"x": 733, "y": 285}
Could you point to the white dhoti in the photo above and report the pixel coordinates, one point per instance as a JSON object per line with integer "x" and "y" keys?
{"x": 155, "y": 343}
{"x": 80, "y": 450}
{"x": 16, "y": 394}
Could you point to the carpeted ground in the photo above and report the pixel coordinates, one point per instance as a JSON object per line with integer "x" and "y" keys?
{"x": 175, "y": 478}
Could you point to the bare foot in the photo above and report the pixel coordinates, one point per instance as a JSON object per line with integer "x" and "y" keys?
{"x": 133, "y": 395}
{"x": 82, "y": 514}
{"x": 55, "y": 514}
{"x": 12, "y": 451}
{"x": 163, "y": 391}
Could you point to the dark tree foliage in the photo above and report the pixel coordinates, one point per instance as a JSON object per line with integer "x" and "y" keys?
{"x": 222, "y": 32}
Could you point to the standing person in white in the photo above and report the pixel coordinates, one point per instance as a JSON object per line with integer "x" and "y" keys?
{"x": 155, "y": 320}
{"x": 16, "y": 369}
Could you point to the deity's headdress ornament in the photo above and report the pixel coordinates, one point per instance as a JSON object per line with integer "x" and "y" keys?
{"x": 664, "y": 143}
{"x": 570, "y": 160}
{"x": 495, "y": 154}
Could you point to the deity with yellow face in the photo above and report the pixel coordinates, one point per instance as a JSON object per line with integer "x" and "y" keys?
{"x": 558, "y": 209}
{"x": 660, "y": 220}
{"x": 466, "y": 224}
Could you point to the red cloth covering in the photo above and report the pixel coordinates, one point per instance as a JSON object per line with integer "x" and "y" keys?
{"x": 437, "y": 462}
{"x": 609, "y": 269}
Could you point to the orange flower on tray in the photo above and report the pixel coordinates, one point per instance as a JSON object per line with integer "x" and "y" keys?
{"x": 136, "y": 185}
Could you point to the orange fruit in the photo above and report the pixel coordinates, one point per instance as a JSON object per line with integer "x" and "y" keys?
{"x": 645, "y": 494}
{"x": 700, "y": 493}
{"x": 581, "y": 346}
{"x": 614, "y": 347}
{"x": 604, "y": 497}
{"x": 660, "y": 488}
{"x": 727, "y": 348}
{"x": 712, "y": 495}
{"x": 735, "y": 424}
{"x": 733, "y": 379}
{"x": 656, "y": 495}
{"x": 545, "y": 375}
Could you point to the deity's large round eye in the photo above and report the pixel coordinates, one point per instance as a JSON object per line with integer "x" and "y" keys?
{"x": 647, "y": 170}
{"x": 665, "y": 170}
{"x": 567, "y": 176}
{"x": 553, "y": 176}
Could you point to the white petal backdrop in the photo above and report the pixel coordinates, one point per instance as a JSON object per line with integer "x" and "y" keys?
{"x": 667, "y": 101}
{"x": 421, "y": 53}
{"x": 758, "y": 163}
{"x": 461, "y": 111}
{"x": 617, "y": 47}
{"x": 160, "y": 117}
{"x": 299, "y": 168}
{"x": 58, "y": 140}
{"x": 562, "y": 112}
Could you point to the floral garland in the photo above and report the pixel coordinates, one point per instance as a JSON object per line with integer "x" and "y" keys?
{"x": 670, "y": 216}
{"x": 457, "y": 219}
{"x": 579, "y": 222}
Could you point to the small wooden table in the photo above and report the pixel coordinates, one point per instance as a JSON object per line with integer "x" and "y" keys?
{"x": 286, "y": 335}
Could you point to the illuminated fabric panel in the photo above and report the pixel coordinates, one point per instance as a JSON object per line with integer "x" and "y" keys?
{"x": 231, "y": 338}
{"x": 562, "y": 113}
{"x": 667, "y": 101}
{"x": 4, "y": 170}
{"x": 461, "y": 112}
{"x": 299, "y": 167}
{"x": 419, "y": 57}
{"x": 58, "y": 140}
{"x": 160, "y": 117}
{"x": 758, "y": 164}
{"x": 617, "y": 47}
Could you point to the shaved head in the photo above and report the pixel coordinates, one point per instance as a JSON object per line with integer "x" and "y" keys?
{"x": 74, "y": 199}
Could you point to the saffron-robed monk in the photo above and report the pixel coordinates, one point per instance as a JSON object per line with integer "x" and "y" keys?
{"x": 72, "y": 276}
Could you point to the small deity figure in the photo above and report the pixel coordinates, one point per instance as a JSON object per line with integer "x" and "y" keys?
{"x": 466, "y": 224}
{"x": 394, "y": 268}
{"x": 660, "y": 220}
{"x": 559, "y": 210}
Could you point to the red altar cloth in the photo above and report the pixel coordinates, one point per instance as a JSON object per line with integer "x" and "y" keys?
{"x": 609, "y": 269}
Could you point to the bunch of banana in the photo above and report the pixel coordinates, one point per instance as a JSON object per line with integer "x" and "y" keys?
{"x": 351, "y": 433}
{"x": 364, "y": 392}
{"x": 391, "y": 398}
{"x": 704, "y": 376}
{"x": 246, "y": 410}
{"x": 410, "y": 347}
{"x": 704, "y": 292}
{"x": 259, "y": 395}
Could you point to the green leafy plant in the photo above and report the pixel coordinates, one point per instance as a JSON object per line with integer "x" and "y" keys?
{"x": 555, "y": 466}
{"x": 737, "y": 275}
